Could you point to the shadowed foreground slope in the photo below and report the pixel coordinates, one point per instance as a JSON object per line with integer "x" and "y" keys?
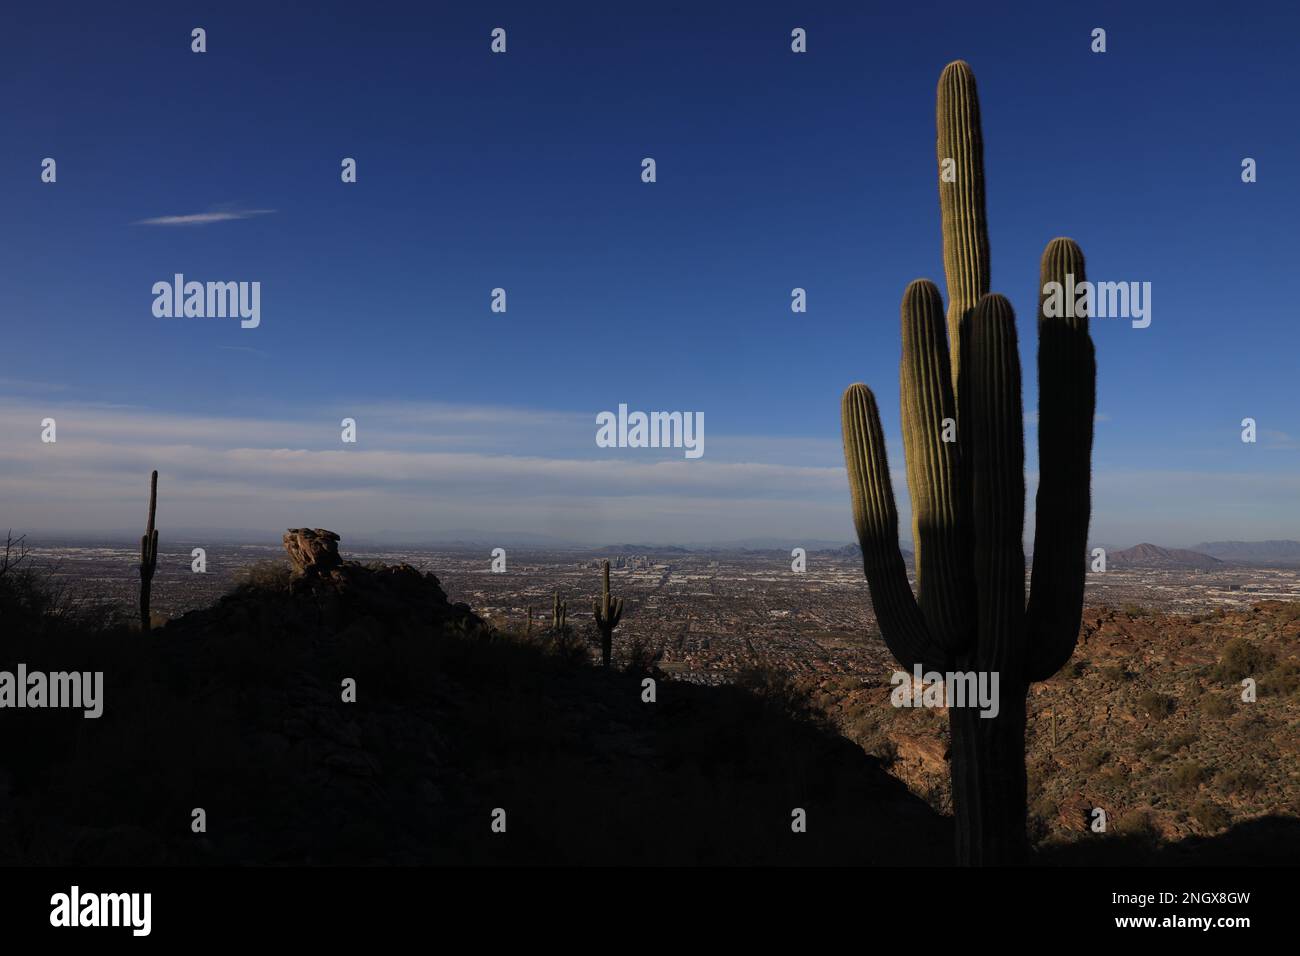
{"x": 237, "y": 709}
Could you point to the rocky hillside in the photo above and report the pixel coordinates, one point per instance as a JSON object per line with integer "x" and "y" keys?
{"x": 1145, "y": 722}
{"x": 241, "y": 710}
{"x": 350, "y": 714}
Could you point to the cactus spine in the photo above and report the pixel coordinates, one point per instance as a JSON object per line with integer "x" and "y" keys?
{"x": 148, "y": 554}
{"x": 608, "y": 613}
{"x": 969, "y": 612}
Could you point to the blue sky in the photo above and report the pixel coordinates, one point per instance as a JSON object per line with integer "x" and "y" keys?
{"x": 522, "y": 171}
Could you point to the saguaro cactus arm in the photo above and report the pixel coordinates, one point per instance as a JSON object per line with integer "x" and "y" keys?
{"x": 1067, "y": 399}
{"x": 961, "y": 202}
{"x": 931, "y": 450}
{"x": 875, "y": 517}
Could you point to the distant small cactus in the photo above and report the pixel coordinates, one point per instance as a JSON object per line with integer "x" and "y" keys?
{"x": 148, "y": 554}
{"x": 559, "y": 612}
{"x": 607, "y": 613}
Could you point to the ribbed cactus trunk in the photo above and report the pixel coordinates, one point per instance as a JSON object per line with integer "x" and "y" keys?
{"x": 607, "y": 613}
{"x": 968, "y": 495}
{"x": 148, "y": 555}
{"x": 989, "y": 782}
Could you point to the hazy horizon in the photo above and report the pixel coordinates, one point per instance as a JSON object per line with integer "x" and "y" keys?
{"x": 460, "y": 538}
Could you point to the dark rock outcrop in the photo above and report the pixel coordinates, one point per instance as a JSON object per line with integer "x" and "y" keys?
{"x": 312, "y": 550}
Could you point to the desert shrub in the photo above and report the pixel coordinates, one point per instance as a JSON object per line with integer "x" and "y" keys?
{"x": 1044, "y": 808}
{"x": 939, "y": 797}
{"x": 1210, "y": 815}
{"x": 1216, "y": 705}
{"x": 35, "y": 599}
{"x": 1239, "y": 659}
{"x": 1135, "y": 610}
{"x": 1035, "y": 778}
{"x": 1252, "y": 728}
{"x": 778, "y": 689}
{"x": 1238, "y": 781}
{"x": 1134, "y": 823}
{"x": 1179, "y": 741}
{"x": 1077, "y": 668}
{"x": 1283, "y": 679}
{"x": 883, "y": 749}
{"x": 862, "y": 723}
{"x": 26, "y": 590}
{"x": 643, "y": 657}
{"x": 569, "y": 644}
{"x": 1094, "y": 757}
{"x": 1144, "y": 744}
{"x": 267, "y": 575}
{"x": 1114, "y": 776}
{"x": 1155, "y": 705}
{"x": 1187, "y": 777}
{"x": 1114, "y": 671}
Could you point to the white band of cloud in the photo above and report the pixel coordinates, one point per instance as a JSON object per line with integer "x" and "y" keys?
{"x": 499, "y": 471}
{"x": 202, "y": 218}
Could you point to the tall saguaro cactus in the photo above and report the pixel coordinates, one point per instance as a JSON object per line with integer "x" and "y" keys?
{"x": 968, "y": 496}
{"x": 608, "y": 613}
{"x": 148, "y": 554}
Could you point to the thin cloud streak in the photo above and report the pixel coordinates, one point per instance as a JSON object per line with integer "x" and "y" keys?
{"x": 202, "y": 218}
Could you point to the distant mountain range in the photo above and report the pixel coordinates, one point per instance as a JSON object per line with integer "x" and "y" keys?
{"x": 640, "y": 549}
{"x": 1153, "y": 556}
{"x": 855, "y": 551}
{"x": 1253, "y": 552}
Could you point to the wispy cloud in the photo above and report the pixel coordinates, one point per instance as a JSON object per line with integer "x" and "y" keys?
{"x": 1279, "y": 441}
{"x": 430, "y": 466}
{"x": 203, "y": 218}
{"x": 25, "y": 385}
{"x": 421, "y": 466}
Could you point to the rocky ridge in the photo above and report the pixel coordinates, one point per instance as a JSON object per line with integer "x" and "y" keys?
{"x": 1146, "y": 721}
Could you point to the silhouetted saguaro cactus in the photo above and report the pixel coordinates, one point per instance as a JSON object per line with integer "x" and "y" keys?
{"x": 608, "y": 613}
{"x": 968, "y": 496}
{"x": 148, "y": 554}
{"x": 559, "y": 611}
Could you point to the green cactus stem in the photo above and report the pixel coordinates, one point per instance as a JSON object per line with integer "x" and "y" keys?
{"x": 559, "y": 612}
{"x": 148, "y": 554}
{"x": 969, "y": 612}
{"x": 607, "y": 613}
